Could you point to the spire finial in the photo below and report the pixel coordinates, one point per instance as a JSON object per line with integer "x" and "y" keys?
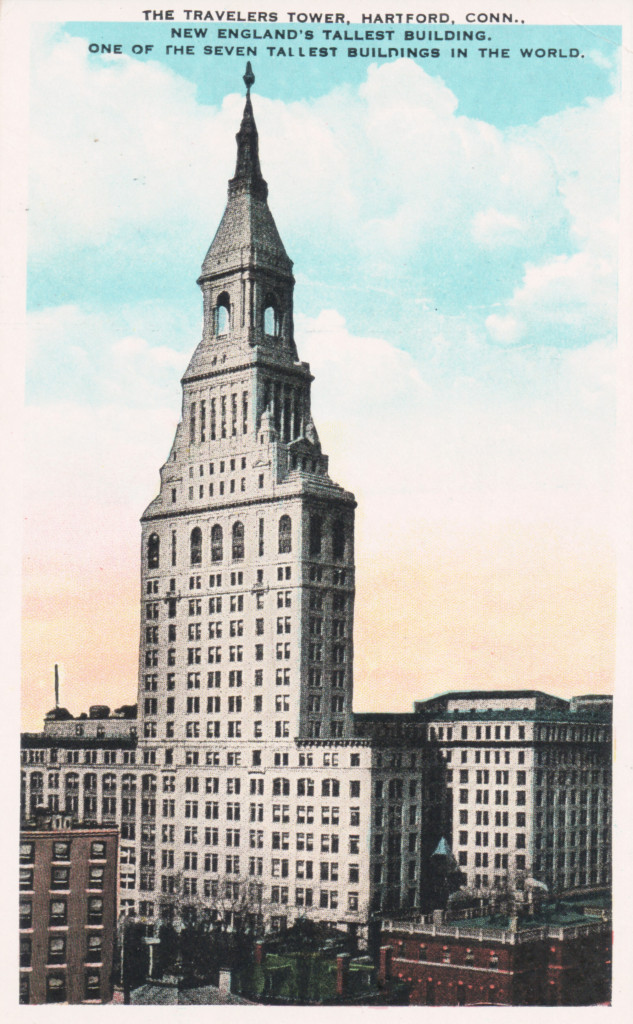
{"x": 249, "y": 78}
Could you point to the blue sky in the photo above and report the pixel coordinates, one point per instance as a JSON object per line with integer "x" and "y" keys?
{"x": 454, "y": 228}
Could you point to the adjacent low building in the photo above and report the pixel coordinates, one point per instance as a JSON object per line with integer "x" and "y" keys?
{"x": 558, "y": 956}
{"x": 68, "y": 893}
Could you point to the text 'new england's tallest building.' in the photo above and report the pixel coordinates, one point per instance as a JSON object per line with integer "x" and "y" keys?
{"x": 247, "y": 524}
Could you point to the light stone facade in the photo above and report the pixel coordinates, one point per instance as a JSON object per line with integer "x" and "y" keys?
{"x": 530, "y": 776}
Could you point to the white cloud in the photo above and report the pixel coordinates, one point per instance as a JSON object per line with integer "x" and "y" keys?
{"x": 505, "y": 329}
{"x": 460, "y": 451}
{"x": 569, "y": 300}
{"x": 390, "y": 174}
{"x": 133, "y": 347}
{"x": 492, "y": 229}
{"x": 74, "y": 351}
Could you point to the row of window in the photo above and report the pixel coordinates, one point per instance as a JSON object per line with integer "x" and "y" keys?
{"x": 60, "y": 878}
{"x": 220, "y": 426}
{"x": 56, "y": 989}
{"x": 502, "y": 796}
{"x": 284, "y": 543}
{"x": 232, "y": 758}
{"x": 61, "y": 849}
{"x": 284, "y": 575}
{"x": 481, "y": 861}
{"x": 58, "y": 911}
{"x": 56, "y": 950}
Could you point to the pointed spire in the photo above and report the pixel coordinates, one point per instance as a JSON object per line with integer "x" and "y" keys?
{"x": 248, "y": 175}
{"x": 247, "y": 225}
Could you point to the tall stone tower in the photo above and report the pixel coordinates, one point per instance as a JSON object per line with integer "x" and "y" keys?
{"x": 248, "y": 549}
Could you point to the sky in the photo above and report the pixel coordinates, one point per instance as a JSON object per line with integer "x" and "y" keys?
{"x": 454, "y": 229}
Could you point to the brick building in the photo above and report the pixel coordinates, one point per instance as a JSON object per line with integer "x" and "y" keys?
{"x": 559, "y": 957}
{"x": 68, "y": 894}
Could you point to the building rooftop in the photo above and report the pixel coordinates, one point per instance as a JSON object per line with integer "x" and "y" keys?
{"x": 548, "y": 916}
{"x": 169, "y": 994}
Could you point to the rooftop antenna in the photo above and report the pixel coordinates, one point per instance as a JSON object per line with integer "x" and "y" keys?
{"x": 56, "y": 686}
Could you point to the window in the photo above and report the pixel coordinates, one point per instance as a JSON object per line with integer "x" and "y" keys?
{"x": 238, "y": 541}
{"x": 338, "y": 540}
{"x": 153, "y": 551}
{"x": 26, "y": 914}
{"x": 58, "y": 912}
{"x": 285, "y": 535}
{"x": 195, "y": 545}
{"x": 26, "y": 879}
{"x": 27, "y": 851}
{"x": 57, "y": 949}
{"x": 56, "y": 987}
{"x": 316, "y": 530}
{"x": 60, "y": 878}
{"x": 216, "y": 543}
{"x": 330, "y": 787}
{"x": 92, "y": 985}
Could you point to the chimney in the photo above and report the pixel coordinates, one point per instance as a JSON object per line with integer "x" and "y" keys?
{"x": 384, "y": 970}
{"x": 342, "y": 971}
{"x": 224, "y": 984}
{"x": 56, "y": 686}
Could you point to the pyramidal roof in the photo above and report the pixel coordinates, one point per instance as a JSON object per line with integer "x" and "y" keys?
{"x": 247, "y": 230}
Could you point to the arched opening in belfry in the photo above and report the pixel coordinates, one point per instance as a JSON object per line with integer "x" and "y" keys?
{"x": 272, "y": 317}
{"x": 223, "y": 314}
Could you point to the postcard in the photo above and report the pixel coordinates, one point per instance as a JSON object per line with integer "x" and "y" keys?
{"x": 317, "y": 388}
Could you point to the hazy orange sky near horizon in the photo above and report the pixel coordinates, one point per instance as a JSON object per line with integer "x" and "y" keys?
{"x": 499, "y": 609}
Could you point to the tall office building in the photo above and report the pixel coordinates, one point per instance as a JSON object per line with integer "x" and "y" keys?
{"x": 248, "y": 549}
{"x": 245, "y": 785}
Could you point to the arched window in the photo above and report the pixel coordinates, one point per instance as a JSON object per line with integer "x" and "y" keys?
{"x": 223, "y": 314}
{"x": 281, "y": 787}
{"x": 72, "y": 782}
{"x": 316, "y": 529}
{"x": 196, "y": 546}
{"x": 216, "y": 543}
{"x": 338, "y": 540}
{"x": 109, "y": 783}
{"x": 153, "y": 551}
{"x": 272, "y": 318}
{"x": 330, "y": 787}
{"x": 285, "y": 535}
{"x": 238, "y": 541}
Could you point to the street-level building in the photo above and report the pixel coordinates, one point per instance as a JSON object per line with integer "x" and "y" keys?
{"x": 558, "y": 956}
{"x": 68, "y": 907}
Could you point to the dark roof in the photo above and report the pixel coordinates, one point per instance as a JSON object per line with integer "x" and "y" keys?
{"x": 490, "y": 694}
{"x": 247, "y": 228}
